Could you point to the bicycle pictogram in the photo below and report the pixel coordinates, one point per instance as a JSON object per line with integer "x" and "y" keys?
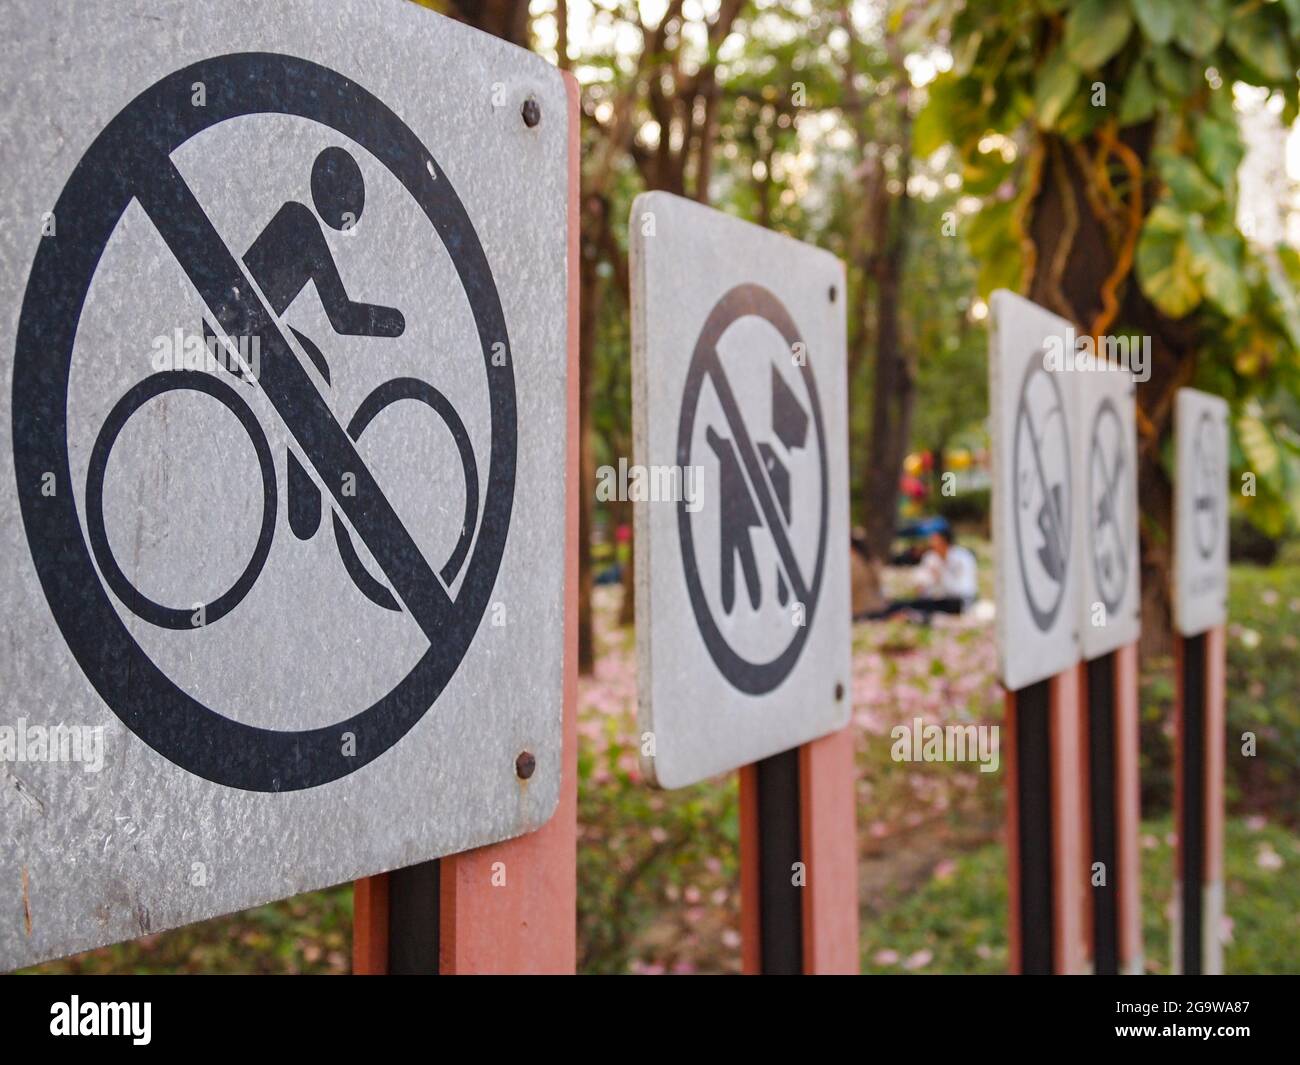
{"x": 290, "y": 251}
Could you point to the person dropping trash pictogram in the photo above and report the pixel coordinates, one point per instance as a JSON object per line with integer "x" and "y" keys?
{"x": 739, "y": 513}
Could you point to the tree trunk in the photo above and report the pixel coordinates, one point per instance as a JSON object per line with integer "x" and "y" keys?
{"x": 894, "y": 386}
{"x": 1073, "y": 261}
{"x": 507, "y": 19}
{"x": 627, "y": 610}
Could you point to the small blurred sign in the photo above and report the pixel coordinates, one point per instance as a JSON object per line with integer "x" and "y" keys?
{"x": 1200, "y": 511}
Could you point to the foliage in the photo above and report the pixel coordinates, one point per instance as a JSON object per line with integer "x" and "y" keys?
{"x": 305, "y": 934}
{"x": 1140, "y": 94}
{"x": 656, "y": 869}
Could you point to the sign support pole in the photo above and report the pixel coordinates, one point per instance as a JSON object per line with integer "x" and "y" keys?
{"x": 1128, "y": 814}
{"x": 509, "y": 908}
{"x": 799, "y": 862}
{"x": 1045, "y": 839}
{"x": 1200, "y": 726}
{"x": 1111, "y": 776}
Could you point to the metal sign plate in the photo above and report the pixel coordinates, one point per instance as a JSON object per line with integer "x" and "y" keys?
{"x": 742, "y": 589}
{"x": 284, "y": 308}
{"x": 1034, "y": 494}
{"x": 1106, "y": 525}
{"x": 1200, "y": 511}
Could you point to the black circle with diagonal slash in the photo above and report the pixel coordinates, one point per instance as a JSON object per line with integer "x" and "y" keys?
{"x": 1205, "y": 490}
{"x": 1044, "y": 614}
{"x": 101, "y": 187}
{"x": 1107, "y": 425}
{"x": 743, "y": 301}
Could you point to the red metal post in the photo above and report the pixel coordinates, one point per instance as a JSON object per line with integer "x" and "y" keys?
{"x": 1200, "y": 730}
{"x": 1128, "y": 818}
{"x": 828, "y": 851}
{"x": 1046, "y": 859}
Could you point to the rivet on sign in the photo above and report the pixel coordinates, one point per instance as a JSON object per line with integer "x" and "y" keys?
{"x": 839, "y": 692}
{"x": 532, "y": 112}
{"x": 833, "y": 293}
{"x": 524, "y": 765}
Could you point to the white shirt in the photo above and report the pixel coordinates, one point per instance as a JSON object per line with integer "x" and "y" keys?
{"x": 954, "y": 577}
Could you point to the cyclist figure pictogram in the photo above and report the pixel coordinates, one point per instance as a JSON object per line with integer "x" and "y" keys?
{"x": 291, "y": 251}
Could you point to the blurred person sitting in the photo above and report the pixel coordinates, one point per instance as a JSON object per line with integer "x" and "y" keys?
{"x": 948, "y": 582}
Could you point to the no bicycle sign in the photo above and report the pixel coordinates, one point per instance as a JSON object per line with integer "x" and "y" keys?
{"x": 285, "y": 356}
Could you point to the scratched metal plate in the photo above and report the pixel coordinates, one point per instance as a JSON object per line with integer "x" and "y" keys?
{"x": 739, "y": 371}
{"x": 1032, "y": 411}
{"x": 1200, "y": 511}
{"x": 299, "y": 621}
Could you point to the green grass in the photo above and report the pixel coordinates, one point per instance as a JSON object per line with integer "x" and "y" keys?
{"x": 957, "y": 923}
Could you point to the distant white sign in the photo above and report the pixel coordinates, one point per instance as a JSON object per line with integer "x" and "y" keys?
{"x": 1034, "y": 493}
{"x": 739, "y": 372}
{"x": 1200, "y": 512}
{"x": 1106, "y": 526}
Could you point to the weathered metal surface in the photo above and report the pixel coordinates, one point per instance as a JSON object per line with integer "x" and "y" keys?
{"x": 739, "y": 389}
{"x": 313, "y": 610}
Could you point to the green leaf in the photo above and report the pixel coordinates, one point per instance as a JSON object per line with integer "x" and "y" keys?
{"x": 1219, "y": 150}
{"x": 994, "y": 240}
{"x": 1198, "y": 26}
{"x": 1166, "y": 220}
{"x": 1058, "y": 80}
{"x": 1191, "y": 188}
{"x": 1139, "y": 101}
{"x": 930, "y": 130}
{"x": 1282, "y": 286}
{"x": 965, "y": 49}
{"x": 983, "y": 173}
{"x": 1261, "y": 43}
{"x": 1216, "y": 261}
{"x": 1257, "y": 442}
{"x": 1164, "y": 267}
{"x": 1173, "y": 71}
{"x": 951, "y": 110}
{"x": 1095, "y": 30}
{"x": 1156, "y": 17}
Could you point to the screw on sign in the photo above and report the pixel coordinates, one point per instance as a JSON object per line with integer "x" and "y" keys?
{"x": 1108, "y": 495}
{"x": 757, "y": 488}
{"x": 132, "y": 162}
{"x": 1041, "y": 493}
{"x": 1207, "y": 485}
